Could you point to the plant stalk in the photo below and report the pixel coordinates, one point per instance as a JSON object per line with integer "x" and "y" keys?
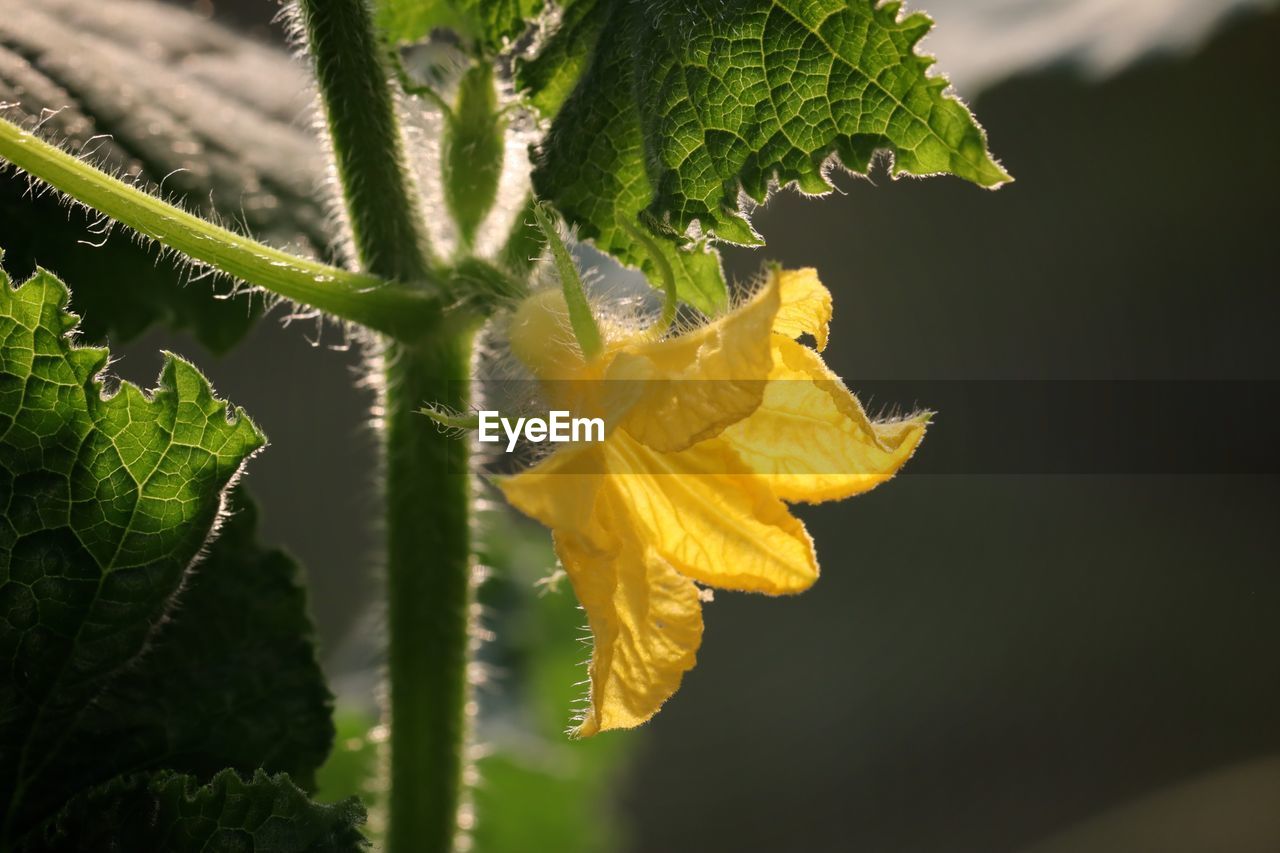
{"x": 429, "y": 594}
{"x": 368, "y": 150}
{"x": 428, "y": 491}
{"x": 363, "y": 299}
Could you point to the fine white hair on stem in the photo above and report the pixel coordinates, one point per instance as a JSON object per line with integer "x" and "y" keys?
{"x": 100, "y": 226}
{"x": 515, "y": 184}
{"x": 336, "y": 221}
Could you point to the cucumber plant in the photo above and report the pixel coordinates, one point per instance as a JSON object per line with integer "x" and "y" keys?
{"x": 162, "y": 690}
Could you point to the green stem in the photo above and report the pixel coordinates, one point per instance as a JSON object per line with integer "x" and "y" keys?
{"x": 429, "y": 594}
{"x": 360, "y": 298}
{"x": 381, "y": 203}
{"x": 670, "y": 303}
{"x": 428, "y": 572}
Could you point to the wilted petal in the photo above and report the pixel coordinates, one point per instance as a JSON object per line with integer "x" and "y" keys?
{"x": 806, "y": 306}
{"x": 560, "y": 491}
{"x": 811, "y": 439}
{"x": 645, "y": 619}
{"x": 703, "y": 380}
{"x": 704, "y": 511}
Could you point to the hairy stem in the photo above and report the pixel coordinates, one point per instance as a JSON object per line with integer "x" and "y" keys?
{"x": 428, "y": 572}
{"x": 671, "y": 298}
{"x": 429, "y": 594}
{"x": 363, "y": 299}
{"x": 368, "y": 150}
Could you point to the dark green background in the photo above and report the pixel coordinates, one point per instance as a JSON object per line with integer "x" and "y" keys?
{"x": 988, "y": 659}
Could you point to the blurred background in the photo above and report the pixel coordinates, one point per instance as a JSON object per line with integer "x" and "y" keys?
{"x": 1058, "y": 630}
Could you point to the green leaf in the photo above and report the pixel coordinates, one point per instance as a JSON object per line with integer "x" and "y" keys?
{"x": 175, "y": 813}
{"x": 491, "y": 23}
{"x": 412, "y": 20}
{"x": 675, "y": 110}
{"x": 108, "y": 497}
{"x": 157, "y": 94}
{"x": 549, "y": 77}
{"x": 592, "y": 163}
{"x": 230, "y": 679}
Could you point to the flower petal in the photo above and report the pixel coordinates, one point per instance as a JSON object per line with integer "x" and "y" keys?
{"x": 711, "y": 518}
{"x": 560, "y": 491}
{"x": 645, "y": 618}
{"x": 806, "y": 306}
{"x": 811, "y": 439}
{"x": 705, "y": 379}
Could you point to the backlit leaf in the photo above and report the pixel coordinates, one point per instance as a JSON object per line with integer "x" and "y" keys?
{"x": 668, "y": 115}
{"x": 175, "y": 813}
{"x": 117, "y": 657}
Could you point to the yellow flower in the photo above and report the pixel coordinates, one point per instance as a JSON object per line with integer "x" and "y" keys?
{"x": 709, "y": 433}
